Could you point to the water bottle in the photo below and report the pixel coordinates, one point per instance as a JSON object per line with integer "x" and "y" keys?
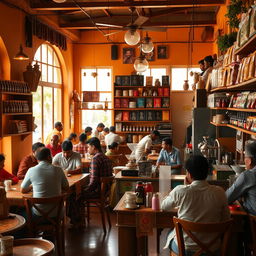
{"x": 155, "y": 202}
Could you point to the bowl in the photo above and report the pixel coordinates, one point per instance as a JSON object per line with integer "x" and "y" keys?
{"x": 238, "y": 168}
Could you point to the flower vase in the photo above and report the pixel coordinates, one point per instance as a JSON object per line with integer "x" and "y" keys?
{"x": 185, "y": 85}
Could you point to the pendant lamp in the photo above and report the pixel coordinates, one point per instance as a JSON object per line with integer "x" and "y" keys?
{"x": 147, "y": 44}
{"x": 21, "y": 55}
{"x": 132, "y": 37}
{"x": 141, "y": 64}
{"x": 59, "y": 1}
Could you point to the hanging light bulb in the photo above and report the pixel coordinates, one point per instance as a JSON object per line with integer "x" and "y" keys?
{"x": 147, "y": 44}
{"x": 21, "y": 55}
{"x": 141, "y": 64}
{"x": 132, "y": 37}
{"x": 59, "y": 1}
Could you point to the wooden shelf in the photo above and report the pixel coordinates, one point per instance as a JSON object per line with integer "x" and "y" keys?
{"x": 17, "y": 93}
{"x": 17, "y": 134}
{"x": 142, "y": 121}
{"x": 237, "y": 109}
{"x": 219, "y": 125}
{"x": 248, "y": 47}
{"x": 105, "y": 109}
{"x": 141, "y": 97}
{"x": 133, "y": 132}
{"x": 135, "y": 109}
{"x": 130, "y": 86}
{"x": 16, "y": 114}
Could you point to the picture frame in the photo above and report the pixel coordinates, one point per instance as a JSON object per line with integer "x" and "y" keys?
{"x": 128, "y": 55}
{"x": 118, "y": 80}
{"x": 150, "y": 56}
{"x": 126, "y": 81}
{"x": 165, "y": 81}
{"x": 162, "y": 51}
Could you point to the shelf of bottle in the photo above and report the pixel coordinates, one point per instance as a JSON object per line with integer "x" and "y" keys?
{"x": 18, "y": 113}
{"x": 96, "y": 109}
{"x": 131, "y": 97}
{"x": 236, "y": 128}
{"x": 142, "y": 121}
{"x": 132, "y": 86}
{"x": 236, "y": 109}
{"x": 134, "y": 109}
{"x": 247, "y": 85}
{"x": 133, "y": 132}
{"x": 17, "y": 93}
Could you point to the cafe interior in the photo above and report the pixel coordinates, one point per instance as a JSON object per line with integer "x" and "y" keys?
{"x": 110, "y": 109}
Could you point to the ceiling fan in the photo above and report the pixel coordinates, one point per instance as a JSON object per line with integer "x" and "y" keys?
{"x": 132, "y": 37}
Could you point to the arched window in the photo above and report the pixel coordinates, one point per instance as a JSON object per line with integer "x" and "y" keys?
{"x": 47, "y": 107}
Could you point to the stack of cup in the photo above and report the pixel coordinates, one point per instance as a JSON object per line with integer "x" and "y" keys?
{"x": 8, "y": 185}
{"x": 130, "y": 200}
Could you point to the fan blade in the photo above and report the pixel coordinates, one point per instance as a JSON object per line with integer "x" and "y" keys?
{"x": 108, "y": 25}
{"x": 153, "y": 29}
{"x": 109, "y": 34}
{"x": 140, "y": 20}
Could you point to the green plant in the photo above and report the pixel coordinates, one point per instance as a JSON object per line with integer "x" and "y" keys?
{"x": 234, "y": 10}
{"x": 226, "y": 41}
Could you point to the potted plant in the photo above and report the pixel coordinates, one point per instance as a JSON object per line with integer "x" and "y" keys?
{"x": 226, "y": 41}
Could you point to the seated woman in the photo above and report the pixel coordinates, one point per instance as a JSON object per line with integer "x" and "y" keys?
{"x": 113, "y": 151}
{"x": 4, "y": 175}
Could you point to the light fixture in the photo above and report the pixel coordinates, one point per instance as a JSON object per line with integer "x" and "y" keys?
{"x": 21, "y": 55}
{"x": 132, "y": 37}
{"x": 59, "y": 1}
{"x": 147, "y": 44}
{"x": 141, "y": 64}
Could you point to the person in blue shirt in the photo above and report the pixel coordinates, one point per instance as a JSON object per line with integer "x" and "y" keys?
{"x": 169, "y": 155}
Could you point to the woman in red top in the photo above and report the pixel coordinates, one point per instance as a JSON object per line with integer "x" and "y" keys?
{"x": 4, "y": 175}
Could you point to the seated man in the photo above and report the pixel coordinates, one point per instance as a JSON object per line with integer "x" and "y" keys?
{"x": 88, "y": 132}
{"x": 97, "y": 132}
{"x": 196, "y": 201}
{"x": 169, "y": 155}
{"x": 45, "y": 179}
{"x": 112, "y": 137}
{"x": 68, "y": 160}
{"x": 54, "y": 145}
{"x": 81, "y": 147}
{"x": 29, "y": 161}
{"x": 58, "y": 127}
{"x": 4, "y": 175}
{"x": 144, "y": 146}
{"x": 245, "y": 185}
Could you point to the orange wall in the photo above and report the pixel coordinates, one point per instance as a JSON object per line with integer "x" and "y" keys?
{"x": 12, "y": 35}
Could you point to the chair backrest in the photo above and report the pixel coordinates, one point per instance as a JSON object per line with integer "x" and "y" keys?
{"x": 54, "y": 205}
{"x": 220, "y": 230}
{"x": 253, "y": 232}
{"x": 105, "y": 188}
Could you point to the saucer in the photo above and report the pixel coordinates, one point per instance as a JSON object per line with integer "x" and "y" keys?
{"x": 132, "y": 208}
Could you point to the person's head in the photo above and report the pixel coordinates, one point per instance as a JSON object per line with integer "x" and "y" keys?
{"x": 250, "y": 155}
{"x": 113, "y": 147}
{"x": 55, "y": 140}
{"x": 67, "y": 147}
{"x": 2, "y": 160}
{"x": 58, "y": 126}
{"x": 36, "y": 147}
{"x": 201, "y": 64}
{"x": 82, "y": 138}
{"x": 94, "y": 146}
{"x": 128, "y": 53}
{"x": 100, "y": 127}
{"x": 197, "y": 167}
{"x": 106, "y": 131}
{"x": 155, "y": 135}
{"x": 167, "y": 144}
{"x": 88, "y": 130}
{"x": 208, "y": 61}
{"x": 72, "y": 137}
{"x": 44, "y": 155}
{"x": 112, "y": 129}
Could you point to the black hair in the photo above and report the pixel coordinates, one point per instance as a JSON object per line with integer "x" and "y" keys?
{"x": 88, "y": 129}
{"x": 72, "y": 136}
{"x": 82, "y": 137}
{"x": 198, "y": 167}
{"x": 156, "y": 133}
{"x": 106, "y": 129}
{"x": 113, "y": 145}
{"x": 101, "y": 125}
{"x": 67, "y": 145}
{"x": 43, "y": 154}
{"x": 250, "y": 151}
{"x": 36, "y": 146}
{"x": 201, "y": 62}
{"x": 2, "y": 157}
{"x": 57, "y": 124}
{"x": 112, "y": 128}
{"x": 167, "y": 140}
{"x": 209, "y": 59}
{"x": 94, "y": 141}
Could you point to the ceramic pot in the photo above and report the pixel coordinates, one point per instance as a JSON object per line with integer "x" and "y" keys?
{"x": 185, "y": 85}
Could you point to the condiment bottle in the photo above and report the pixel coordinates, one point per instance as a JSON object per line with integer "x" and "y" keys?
{"x": 148, "y": 187}
{"x": 149, "y": 199}
{"x": 155, "y": 202}
{"x": 140, "y": 193}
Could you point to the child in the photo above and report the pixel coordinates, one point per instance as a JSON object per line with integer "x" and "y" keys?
{"x": 4, "y": 175}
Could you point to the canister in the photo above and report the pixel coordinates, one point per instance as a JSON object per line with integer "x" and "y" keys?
{"x": 118, "y": 93}
{"x": 130, "y": 93}
{"x": 125, "y": 93}
{"x": 135, "y": 139}
{"x": 132, "y": 104}
{"x": 135, "y": 93}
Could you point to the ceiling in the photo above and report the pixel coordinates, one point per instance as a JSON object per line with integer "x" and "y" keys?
{"x": 83, "y": 14}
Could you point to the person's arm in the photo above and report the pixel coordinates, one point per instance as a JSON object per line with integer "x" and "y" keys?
{"x": 160, "y": 160}
{"x": 148, "y": 146}
{"x": 8, "y": 176}
{"x": 178, "y": 161}
{"x": 94, "y": 176}
{"x": 170, "y": 202}
{"x": 23, "y": 168}
{"x": 55, "y": 160}
{"x": 26, "y": 183}
{"x": 78, "y": 166}
{"x": 64, "y": 181}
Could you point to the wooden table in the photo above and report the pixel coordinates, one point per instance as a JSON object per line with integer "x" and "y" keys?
{"x": 134, "y": 227}
{"x": 11, "y": 224}
{"x": 15, "y": 197}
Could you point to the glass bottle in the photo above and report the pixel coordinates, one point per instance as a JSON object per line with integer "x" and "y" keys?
{"x": 140, "y": 193}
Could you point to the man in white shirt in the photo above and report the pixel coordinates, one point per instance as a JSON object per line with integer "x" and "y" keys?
{"x": 196, "y": 201}
{"x": 98, "y": 130}
{"x": 144, "y": 146}
{"x": 68, "y": 160}
{"x": 112, "y": 136}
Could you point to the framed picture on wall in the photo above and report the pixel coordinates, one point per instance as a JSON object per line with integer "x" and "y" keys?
{"x": 150, "y": 56}
{"x": 128, "y": 55}
{"x": 162, "y": 52}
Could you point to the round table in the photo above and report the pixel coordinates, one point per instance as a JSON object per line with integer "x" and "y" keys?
{"x": 12, "y": 223}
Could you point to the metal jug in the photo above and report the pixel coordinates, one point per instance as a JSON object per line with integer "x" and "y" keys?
{"x": 228, "y": 158}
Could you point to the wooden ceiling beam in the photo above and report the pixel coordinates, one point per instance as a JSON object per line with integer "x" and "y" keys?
{"x": 122, "y": 5}
{"x": 107, "y": 12}
{"x": 168, "y": 11}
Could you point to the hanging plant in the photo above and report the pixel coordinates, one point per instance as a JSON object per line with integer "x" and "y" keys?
{"x": 233, "y": 13}
{"x": 226, "y": 41}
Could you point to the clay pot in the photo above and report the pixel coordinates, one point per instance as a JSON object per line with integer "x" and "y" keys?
{"x": 185, "y": 85}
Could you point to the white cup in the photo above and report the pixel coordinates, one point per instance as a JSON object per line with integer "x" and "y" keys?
{"x": 153, "y": 151}
{"x": 8, "y": 185}
{"x": 6, "y": 245}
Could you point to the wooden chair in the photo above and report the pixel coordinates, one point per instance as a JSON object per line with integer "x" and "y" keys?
{"x": 103, "y": 202}
{"x": 54, "y": 225}
{"x": 253, "y": 232}
{"x": 222, "y": 230}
